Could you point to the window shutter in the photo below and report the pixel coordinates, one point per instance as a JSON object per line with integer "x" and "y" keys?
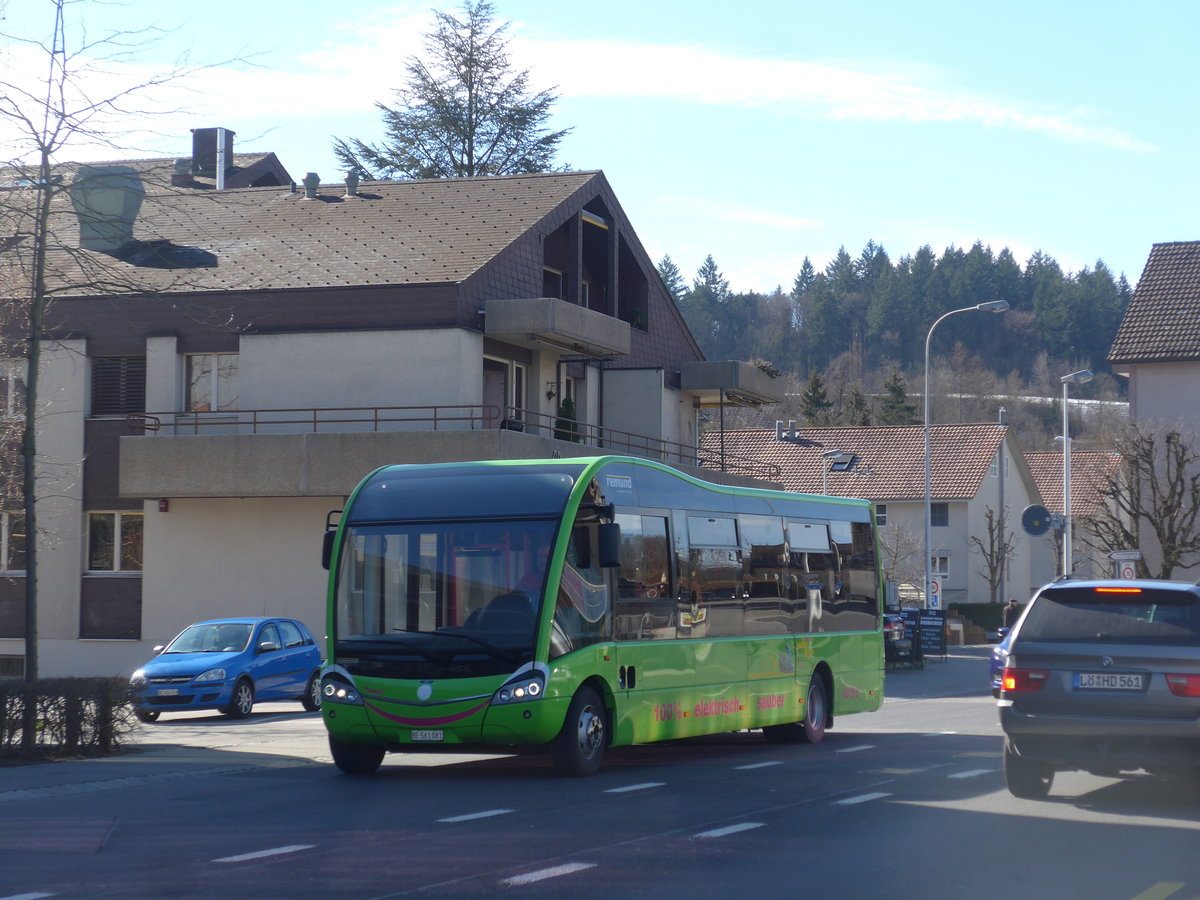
{"x": 118, "y": 385}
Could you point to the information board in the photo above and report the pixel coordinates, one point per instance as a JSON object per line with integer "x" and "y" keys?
{"x": 928, "y": 630}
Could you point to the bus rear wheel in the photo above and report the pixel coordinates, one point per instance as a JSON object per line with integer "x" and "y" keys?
{"x": 355, "y": 759}
{"x": 579, "y": 748}
{"x": 816, "y": 712}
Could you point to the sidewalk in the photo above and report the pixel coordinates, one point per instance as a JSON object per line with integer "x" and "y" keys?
{"x": 962, "y": 672}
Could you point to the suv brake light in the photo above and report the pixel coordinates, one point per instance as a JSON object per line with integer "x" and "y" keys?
{"x": 1024, "y": 679}
{"x": 1184, "y": 685}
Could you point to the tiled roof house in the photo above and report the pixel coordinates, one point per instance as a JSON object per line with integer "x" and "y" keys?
{"x": 1157, "y": 347}
{"x": 1090, "y": 472}
{"x": 227, "y": 362}
{"x": 973, "y": 468}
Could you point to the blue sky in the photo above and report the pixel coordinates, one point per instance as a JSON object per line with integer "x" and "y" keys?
{"x": 760, "y": 132}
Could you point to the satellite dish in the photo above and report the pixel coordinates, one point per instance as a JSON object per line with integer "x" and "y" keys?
{"x": 1035, "y": 520}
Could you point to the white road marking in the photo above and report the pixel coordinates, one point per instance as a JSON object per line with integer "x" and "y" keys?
{"x": 860, "y": 747}
{"x": 761, "y": 765}
{"x": 35, "y": 896}
{"x": 263, "y": 854}
{"x": 543, "y": 874}
{"x": 861, "y": 798}
{"x": 729, "y": 829}
{"x": 635, "y": 787}
{"x": 486, "y": 814}
{"x": 971, "y": 773}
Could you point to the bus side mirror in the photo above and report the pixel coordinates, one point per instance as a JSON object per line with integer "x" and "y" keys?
{"x": 608, "y": 541}
{"x": 327, "y": 549}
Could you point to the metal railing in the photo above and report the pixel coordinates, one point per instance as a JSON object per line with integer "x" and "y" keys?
{"x": 317, "y": 421}
{"x": 465, "y": 417}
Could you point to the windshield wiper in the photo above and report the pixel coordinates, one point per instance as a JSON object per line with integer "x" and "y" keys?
{"x": 492, "y": 650}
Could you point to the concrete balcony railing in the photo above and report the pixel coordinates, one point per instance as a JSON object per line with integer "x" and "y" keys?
{"x": 324, "y": 452}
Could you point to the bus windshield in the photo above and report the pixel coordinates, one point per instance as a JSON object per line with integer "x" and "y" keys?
{"x": 440, "y": 600}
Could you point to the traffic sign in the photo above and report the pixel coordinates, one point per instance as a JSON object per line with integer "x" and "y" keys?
{"x": 1035, "y": 519}
{"x": 935, "y": 593}
{"x": 1128, "y": 571}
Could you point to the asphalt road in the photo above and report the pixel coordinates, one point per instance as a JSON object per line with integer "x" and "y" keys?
{"x": 907, "y": 801}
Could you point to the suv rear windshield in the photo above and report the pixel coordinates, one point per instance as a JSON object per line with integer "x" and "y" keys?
{"x": 1116, "y": 615}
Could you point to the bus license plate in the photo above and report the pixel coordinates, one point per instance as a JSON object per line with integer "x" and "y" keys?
{"x": 429, "y": 735}
{"x": 1109, "y": 681}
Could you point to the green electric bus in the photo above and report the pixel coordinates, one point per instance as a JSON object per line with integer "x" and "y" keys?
{"x": 578, "y": 604}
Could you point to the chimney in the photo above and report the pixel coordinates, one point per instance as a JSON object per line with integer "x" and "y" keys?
{"x": 106, "y": 200}
{"x": 311, "y": 182}
{"x": 208, "y": 145}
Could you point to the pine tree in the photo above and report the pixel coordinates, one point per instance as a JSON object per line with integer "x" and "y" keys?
{"x": 858, "y": 410}
{"x": 814, "y": 402}
{"x": 672, "y": 278}
{"x": 464, "y": 112}
{"x": 896, "y": 410}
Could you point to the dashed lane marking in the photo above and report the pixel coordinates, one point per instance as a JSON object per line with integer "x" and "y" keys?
{"x": 484, "y": 814}
{"x": 264, "y": 854}
{"x": 729, "y": 829}
{"x": 543, "y": 874}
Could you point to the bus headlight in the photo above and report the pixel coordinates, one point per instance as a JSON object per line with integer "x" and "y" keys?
{"x": 520, "y": 690}
{"x": 335, "y": 689}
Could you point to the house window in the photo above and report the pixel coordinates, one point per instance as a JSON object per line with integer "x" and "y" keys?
{"x": 118, "y": 385}
{"x": 552, "y": 283}
{"x": 12, "y": 388}
{"x": 939, "y": 514}
{"x": 880, "y": 514}
{"x": 995, "y": 470}
{"x": 114, "y": 542}
{"x": 12, "y": 542}
{"x": 940, "y": 565}
{"x": 212, "y": 382}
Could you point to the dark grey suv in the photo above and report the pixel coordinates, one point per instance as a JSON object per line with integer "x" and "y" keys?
{"x": 1102, "y": 676}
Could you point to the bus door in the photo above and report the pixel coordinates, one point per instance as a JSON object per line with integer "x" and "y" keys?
{"x": 655, "y": 667}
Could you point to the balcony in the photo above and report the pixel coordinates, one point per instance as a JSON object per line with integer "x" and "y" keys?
{"x": 545, "y": 322}
{"x": 325, "y": 452}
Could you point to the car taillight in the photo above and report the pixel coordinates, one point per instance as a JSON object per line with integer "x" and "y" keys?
{"x": 1024, "y": 679}
{"x": 1184, "y": 685}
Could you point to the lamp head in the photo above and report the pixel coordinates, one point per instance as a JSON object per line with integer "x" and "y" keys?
{"x": 994, "y": 306}
{"x": 1083, "y": 376}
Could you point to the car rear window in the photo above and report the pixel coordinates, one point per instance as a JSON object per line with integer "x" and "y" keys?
{"x": 1116, "y": 615}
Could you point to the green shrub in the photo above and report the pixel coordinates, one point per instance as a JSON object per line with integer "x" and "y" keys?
{"x": 63, "y": 716}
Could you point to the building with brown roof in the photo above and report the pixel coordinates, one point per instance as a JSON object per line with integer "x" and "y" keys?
{"x": 1091, "y": 472}
{"x": 974, "y": 469}
{"x": 226, "y": 362}
{"x": 1157, "y": 347}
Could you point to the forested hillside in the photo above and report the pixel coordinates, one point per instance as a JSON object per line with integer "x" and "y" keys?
{"x": 853, "y": 336}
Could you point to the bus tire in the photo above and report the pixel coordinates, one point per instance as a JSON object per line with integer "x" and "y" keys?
{"x": 355, "y": 759}
{"x": 816, "y": 712}
{"x": 579, "y": 748}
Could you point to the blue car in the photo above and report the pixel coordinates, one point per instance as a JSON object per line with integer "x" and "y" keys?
{"x": 228, "y": 664}
{"x": 999, "y": 659}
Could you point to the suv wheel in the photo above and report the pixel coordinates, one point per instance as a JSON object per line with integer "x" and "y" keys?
{"x": 1026, "y": 778}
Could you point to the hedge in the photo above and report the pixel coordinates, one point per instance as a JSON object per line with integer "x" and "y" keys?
{"x": 64, "y": 716}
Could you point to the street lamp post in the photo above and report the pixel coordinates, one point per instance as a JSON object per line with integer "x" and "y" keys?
{"x": 826, "y": 459}
{"x": 1083, "y": 376}
{"x": 998, "y": 306}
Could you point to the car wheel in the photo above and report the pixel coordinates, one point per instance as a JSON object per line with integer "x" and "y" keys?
{"x": 355, "y": 759}
{"x": 312, "y": 693}
{"x": 147, "y": 715}
{"x": 816, "y": 712}
{"x": 579, "y": 748}
{"x": 1028, "y": 779}
{"x": 243, "y": 700}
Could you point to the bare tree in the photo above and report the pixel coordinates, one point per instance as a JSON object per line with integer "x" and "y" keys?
{"x": 901, "y": 551}
{"x": 1155, "y": 495}
{"x": 37, "y": 259}
{"x": 996, "y": 546}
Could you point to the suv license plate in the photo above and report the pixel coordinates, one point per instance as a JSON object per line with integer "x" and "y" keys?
{"x": 427, "y": 736}
{"x": 1109, "y": 681}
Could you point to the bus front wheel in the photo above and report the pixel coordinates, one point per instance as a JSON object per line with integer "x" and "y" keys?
{"x": 579, "y": 748}
{"x": 355, "y": 759}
